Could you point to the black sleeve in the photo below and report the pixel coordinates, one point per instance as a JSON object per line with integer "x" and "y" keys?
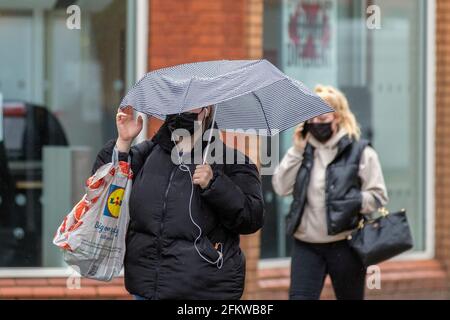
{"x": 236, "y": 195}
{"x": 138, "y": 154}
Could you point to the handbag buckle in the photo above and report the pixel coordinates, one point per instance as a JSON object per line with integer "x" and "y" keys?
{"x": 361, "y": 224}
{"x": 383, "y": 211}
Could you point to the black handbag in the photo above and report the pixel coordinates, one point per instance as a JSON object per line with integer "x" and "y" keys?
{"x": 376, "y": 240}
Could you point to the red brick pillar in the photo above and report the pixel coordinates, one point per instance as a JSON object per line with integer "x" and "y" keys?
{"x": 442, "y": 183}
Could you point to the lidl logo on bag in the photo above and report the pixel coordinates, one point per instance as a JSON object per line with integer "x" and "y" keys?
{"x": 115, "y": 197}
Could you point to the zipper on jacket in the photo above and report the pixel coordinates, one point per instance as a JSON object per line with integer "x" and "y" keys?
{"x": 161, "y": 227}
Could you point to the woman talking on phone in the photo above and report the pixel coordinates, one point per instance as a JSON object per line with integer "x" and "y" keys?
{"x": 334, "y": 176}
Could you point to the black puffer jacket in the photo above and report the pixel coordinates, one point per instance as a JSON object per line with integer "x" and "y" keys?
{"x": 161, "y": 261}
{"x": 342, "y": 187}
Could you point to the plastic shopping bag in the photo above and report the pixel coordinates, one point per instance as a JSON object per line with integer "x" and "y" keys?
{"x": 93, "y": 233}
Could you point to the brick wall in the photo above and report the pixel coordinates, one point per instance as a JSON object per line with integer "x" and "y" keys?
{"x": 56, "y": 288}
{"x": 399, "y": 280}
{"x": 442, "y": 145}
{"x": 183, "y": 31}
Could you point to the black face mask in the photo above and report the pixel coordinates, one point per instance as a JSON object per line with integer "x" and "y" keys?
{"x": 321, "y": 131}
{"x": 184, "y": 121}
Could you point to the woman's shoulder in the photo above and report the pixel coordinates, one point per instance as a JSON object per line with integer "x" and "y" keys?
{"x": 369, "y": 154}
{"x": 235, "y": 161}
{"x": 359, "y": 145}
{"x": 144, "y": 147}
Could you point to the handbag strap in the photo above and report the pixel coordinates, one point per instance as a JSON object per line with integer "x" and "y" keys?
{"x": 381, "y": 211}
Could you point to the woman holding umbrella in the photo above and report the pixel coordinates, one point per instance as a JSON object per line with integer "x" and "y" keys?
{"x": 186, "y": 216}
{"x": 334, "y": 177}
{"x": 183, "y": 236}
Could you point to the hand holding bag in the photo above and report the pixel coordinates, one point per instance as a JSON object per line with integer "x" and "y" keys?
{"x": 93, "y": 233}
{"x": 382, "y": 238}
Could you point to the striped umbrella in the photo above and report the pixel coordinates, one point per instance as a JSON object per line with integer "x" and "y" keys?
{"x": 248, "y": 94}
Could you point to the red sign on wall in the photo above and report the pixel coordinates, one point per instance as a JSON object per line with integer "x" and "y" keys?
{"x": 309, "y": 29}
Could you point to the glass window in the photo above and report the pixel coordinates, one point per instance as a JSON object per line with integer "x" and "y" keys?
{"x": 382, "y": 72}
{"x": 61, "y": 88}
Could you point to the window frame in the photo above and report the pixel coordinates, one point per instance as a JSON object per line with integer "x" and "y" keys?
{"x": 137, "y": 10}
{"x": 429, "y": 140}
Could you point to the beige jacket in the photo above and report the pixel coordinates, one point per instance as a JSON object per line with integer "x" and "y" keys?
{"x": 313, "y": 227}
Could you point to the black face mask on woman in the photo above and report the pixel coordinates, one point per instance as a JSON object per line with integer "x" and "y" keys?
{"x": 184, "y": 121}
{"x": 321, "y": 131}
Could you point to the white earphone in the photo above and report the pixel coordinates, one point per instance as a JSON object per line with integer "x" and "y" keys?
{"x": 183, "y": 167}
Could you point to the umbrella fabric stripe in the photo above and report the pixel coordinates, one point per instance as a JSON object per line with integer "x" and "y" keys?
{"x": 249, "y": 94}
{"x": 205, "y": 83}
{"x": 296, "y": 108}
{"x": 291, "y": 109}
{"x": 228, "y": 87}
{"x": 206, "y": 70}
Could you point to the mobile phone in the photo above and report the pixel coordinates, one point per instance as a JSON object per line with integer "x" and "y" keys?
{"x": 305, "y": 130}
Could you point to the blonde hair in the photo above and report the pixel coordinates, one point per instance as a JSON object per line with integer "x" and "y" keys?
{"x": 337, "y": 100}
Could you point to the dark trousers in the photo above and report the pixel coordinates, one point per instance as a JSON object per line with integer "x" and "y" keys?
{"x": 312, "y": 262}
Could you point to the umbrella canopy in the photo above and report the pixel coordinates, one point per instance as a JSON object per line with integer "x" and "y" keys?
{"x": 248, "y": 94}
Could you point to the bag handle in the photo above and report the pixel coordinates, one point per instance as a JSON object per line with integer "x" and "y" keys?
{"x": 382, "y": 210}
{"x": 115, "y": 156}
{"x": 369, "y": 218}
